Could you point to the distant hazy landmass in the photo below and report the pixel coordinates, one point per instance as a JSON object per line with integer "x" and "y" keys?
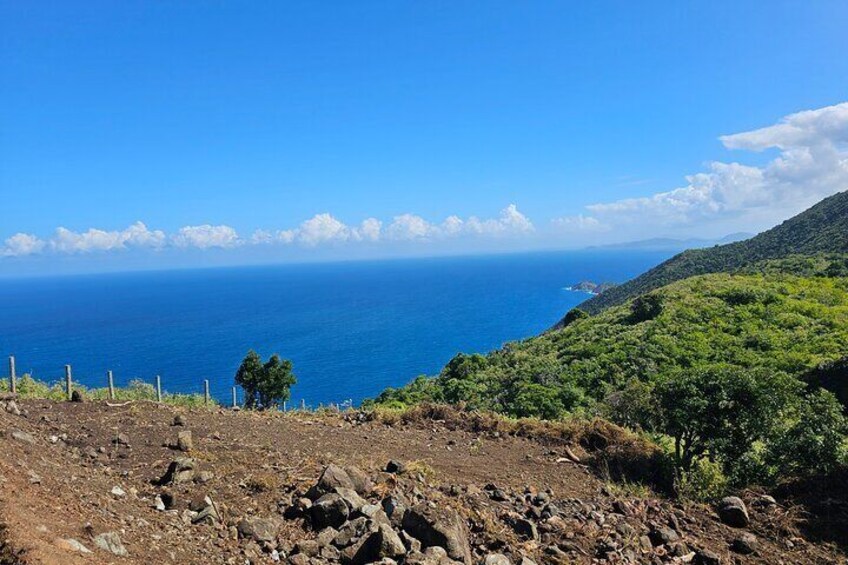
{"x": 662, "y": 243}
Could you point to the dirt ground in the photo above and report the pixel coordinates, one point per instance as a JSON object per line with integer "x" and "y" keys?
{"x": 61, "y": 464}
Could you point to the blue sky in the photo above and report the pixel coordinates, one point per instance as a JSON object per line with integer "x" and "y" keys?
{"x": 272, "y": 131}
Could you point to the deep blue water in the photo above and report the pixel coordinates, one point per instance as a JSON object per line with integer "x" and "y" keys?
{"x": 351, "y": 329}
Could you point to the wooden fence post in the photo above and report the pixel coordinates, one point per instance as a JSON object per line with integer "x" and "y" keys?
{"x": 206, "y": 391}
{"x": 158, "y": 388}
{"x": 69, "y": 387}
{"x": 111, "y": 385}
{"x": 235, "y": 398}
{"x": 13, "y": 379}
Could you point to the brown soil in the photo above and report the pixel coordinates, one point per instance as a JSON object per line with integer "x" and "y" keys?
{"x": 60, "y": 486}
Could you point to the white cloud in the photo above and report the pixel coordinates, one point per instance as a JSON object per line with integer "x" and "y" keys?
{"x": 136, "y": 235}
{"x": 22, "y": 244}
{"x": 322, "y": 228}
{"x": 407, "y": 227}
{"x": 206, "y": 236}
{"x": 369, "y": 230}
{"x": 578, "y": 224}
{"x": 812, "y": 164}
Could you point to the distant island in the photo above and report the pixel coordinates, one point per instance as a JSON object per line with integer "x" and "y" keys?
{"x": 591, "y": 287}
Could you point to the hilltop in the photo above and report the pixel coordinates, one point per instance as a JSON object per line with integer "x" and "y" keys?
{"x": 821, "y": 229}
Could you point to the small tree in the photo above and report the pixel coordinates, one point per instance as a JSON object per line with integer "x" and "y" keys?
{"x": 265, "y": 385}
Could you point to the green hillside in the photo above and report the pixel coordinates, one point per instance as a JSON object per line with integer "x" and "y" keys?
{"x": 722, "y": 370}
{"x": 821, "y": 229}
{"x": 774, "y": 321}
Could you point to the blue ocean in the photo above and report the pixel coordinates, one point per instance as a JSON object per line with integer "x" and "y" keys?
{"x": 351, "y": 329}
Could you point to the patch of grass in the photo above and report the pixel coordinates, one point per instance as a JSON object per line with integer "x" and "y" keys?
{"x": 136, "y": 390}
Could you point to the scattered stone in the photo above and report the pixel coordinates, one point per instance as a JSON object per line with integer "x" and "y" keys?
{"x": 71, "y": 544}
{"x": 184, "y": 441}
{"x": 396, "y": 467}
{"x": 732, "y": 511}
{"x": 663, "y": 536}
{"x": 76, "y": 396}
{"x": 12, "y": 408}
{"x": 111, "y": 542}
{"x": 204, "y": 477}
{"x": 258, "y": 529}
{"x": 497, "y": 559}
{"x": 181, "y": 470}
{"x": 179, "y": 420}
{"x": 118, "y": 491}
{"x": 522, "y": 526}
{"x": 309, "y": 548}
{"x": 24, "y": 437}
{"x": 706, "y": 557}
{"x": 745, "y": 544}
{"x": 121, "y": 439}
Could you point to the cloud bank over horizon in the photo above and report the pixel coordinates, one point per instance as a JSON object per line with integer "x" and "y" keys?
{"x": 811, "y": 163}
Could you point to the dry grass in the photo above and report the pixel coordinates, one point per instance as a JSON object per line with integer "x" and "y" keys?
{"x": 616, "y": 453}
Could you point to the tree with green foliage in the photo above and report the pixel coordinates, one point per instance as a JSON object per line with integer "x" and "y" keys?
{"x": 814, "y": 441}
{"x": 265, "y": 384}
{"x": 721, "y": 411}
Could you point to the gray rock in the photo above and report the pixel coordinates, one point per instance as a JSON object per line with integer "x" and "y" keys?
{"x": 329, "y": 510}
{"x": 361, "y": 482}
{"x": 111, "y": 542}
{"x": 706, "y": 557}
{"x": 332, "y": 477}
{"x": 663, "y": 536}
{"x": 380, "y": 544}
{"x": 326, "y": 536}
{"x": 299, "y": 559}
{"x": 71, "y": 544}
{"x": 308, "y": 547}
{"x": 12, "y": 408}
{"x": 181, "y": 470}
{"x": 354, "y": 501}
{"x": 179, "y": 420}
{"x": 522, "y": 526}
{"x": 185, "y": 441}
{"x": 497, "y": 559}
{"x": 745, "y": 544}
{"x": 732, "y": 511}
{"x": 351, "y": 531}
{"x": 258, "y": 529}
{"x": 526, "y": 561}
{"x": 23, "y": 437}
{"x": 440, "y": 527}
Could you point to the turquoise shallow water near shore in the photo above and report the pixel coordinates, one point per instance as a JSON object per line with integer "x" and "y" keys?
{"x": 351, "y": 329}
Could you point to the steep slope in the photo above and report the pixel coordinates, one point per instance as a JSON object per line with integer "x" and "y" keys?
{"x": 821, "y": 229}
{"x": 765, "y": 319}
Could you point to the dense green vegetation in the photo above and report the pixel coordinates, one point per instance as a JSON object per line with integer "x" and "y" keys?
{"x": 266, "y": 385}
{"x": 710, "y": 365}
{"x": 821, "y": 229}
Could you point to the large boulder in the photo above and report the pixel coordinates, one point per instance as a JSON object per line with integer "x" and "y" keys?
{"x": 330, "y": 510}
{"x": 732, "y": 511}
{"x": 332, "y": 477}
{"x": 442, "y": 527}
